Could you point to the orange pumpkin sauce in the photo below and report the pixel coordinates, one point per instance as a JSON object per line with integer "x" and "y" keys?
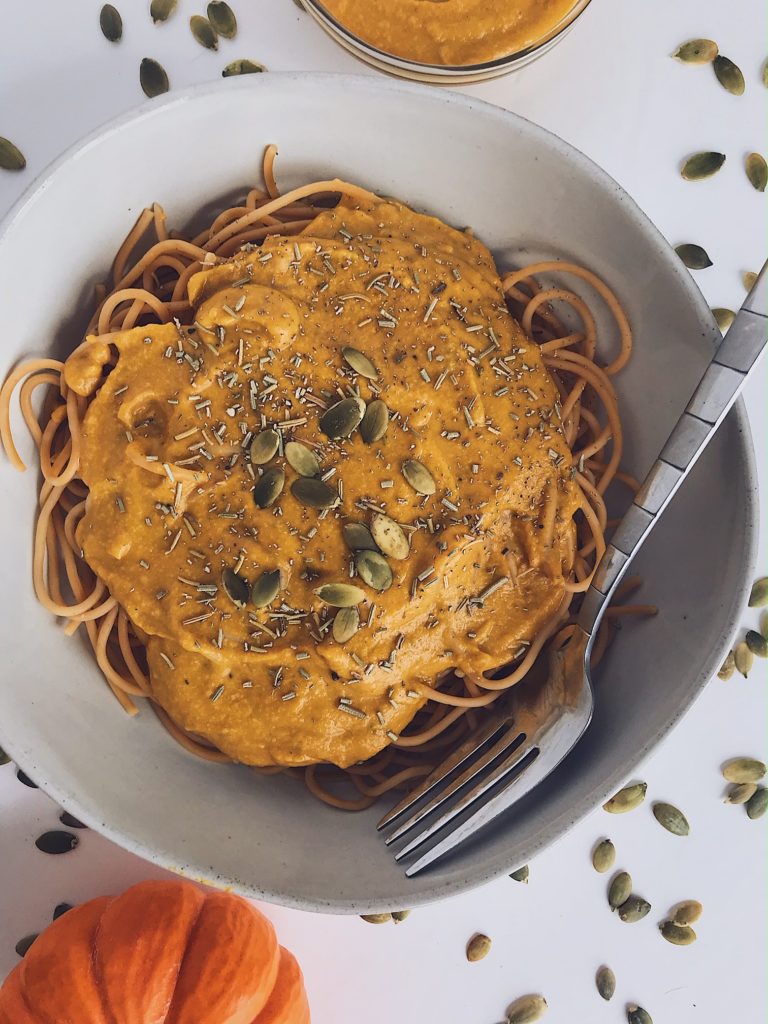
{"x": 170, "y": 508}
{"x": 450, "y": 32}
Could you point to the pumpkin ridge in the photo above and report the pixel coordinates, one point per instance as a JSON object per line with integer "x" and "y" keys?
{"x": 98, "y": 978}
{"x": 192, "y": 929}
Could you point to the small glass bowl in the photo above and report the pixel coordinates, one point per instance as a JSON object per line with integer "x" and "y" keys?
{"x": 441, "y": 74}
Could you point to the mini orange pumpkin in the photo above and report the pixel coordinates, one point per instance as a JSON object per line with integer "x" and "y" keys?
{"x": 162, "y": 953}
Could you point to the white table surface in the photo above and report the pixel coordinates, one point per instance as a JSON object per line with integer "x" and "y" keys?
{"x": 611, "y": 89}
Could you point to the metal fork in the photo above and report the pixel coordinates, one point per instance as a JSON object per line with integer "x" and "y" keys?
{"x": 515, "y": 749}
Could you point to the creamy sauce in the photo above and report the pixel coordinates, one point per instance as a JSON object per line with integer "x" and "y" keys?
{"x": 468, "y": 396}
{"x": 450, "y": 32}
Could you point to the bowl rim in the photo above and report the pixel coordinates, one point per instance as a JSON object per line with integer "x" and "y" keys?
{"x": 437, "y": 890}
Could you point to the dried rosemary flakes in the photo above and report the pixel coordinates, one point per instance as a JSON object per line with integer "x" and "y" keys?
{"x": 11, "y": 157}
{"x": 703, "y": 165}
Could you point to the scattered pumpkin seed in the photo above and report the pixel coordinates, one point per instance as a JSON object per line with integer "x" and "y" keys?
{"x": 340, "y": 595}
{"x": 70, "y": 820}
{"x": 743, "y": 658}
{"x": 345, "y": 624}
{"x": 373, "y": 569}
{"x": 300, "y": 458}
{"x": 728, "y": 75}
{"x": 756, "y": 643}
{"x": 376, "y": 918}
{"x": 11, "y": 157}
{"x": 749, "y": 280}
{"x": 242, "y": 67}
{"x": 702, "y": 165}
{"x": 161, "y": 10}
{"x": 605, "y": 980}
{"x": 634, "y": 909}
{"x": 521, "y": 875}
{"x": 757, "y": 804}
{"x": 604, "y": 856}
{"x": 223, "y": 19}
{"x": 687, "y": 912}
{"x": 56, "y": 841}
{"x": 478, "y": 947}
{"x": 266, "y": 588}
{"x": 741, "y": 792}
{"x": 399, "y": 915}
{"x": 314, "y": 493}
{"x": 526, "y": 1010}
{"x": 723, "y": 317}
{"x": 60, "y": 910}
{"x": 23, "y": 946}
{"x": 696, "y": 51}
{"x": 743, "y": 769}
{"x": 264, "y": 446}
{"x": 360, "y": 363}
{"x": 153, "y": 77}
{"x": 619, "y": 890}
{"x": 728, "y": 667}
{"x": 670, "y": 818}
{"x": 4, "y": 759}
{"x": 110, "y": 23}
{"x": 693, "y": 256}
{"x": 389, "y": 536}
{"x": 637, "y": 1015}
{"x": 626, "y": 799}
{"x": 25, "y": 779}
{"x": 764, "y": 625}
{"x": 758, "y": 596}
{"x": 757, "y": 171}
{"x": 419, "y": 477}
{"x": 235, "y": 587}
{"x": 204, "y": 32}
{"x": 359, "y": 537}
{"x": 342, "y": 418}
{"x": 677, "y": 934}
{"x": 375, "y": 422}
{"x": 269, "y": 487}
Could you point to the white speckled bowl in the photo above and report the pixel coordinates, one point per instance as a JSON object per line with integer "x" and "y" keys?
{"x": 526, "y": 193}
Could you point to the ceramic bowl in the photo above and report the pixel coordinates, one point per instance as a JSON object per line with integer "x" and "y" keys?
{"x": 526, "y": 194}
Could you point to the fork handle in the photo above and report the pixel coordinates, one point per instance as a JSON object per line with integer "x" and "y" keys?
{"x": 718, "y": 389}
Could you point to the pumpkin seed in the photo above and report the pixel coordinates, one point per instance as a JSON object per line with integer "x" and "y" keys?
{"x": 702, "y": 165}
{"x": 693, "y": 256}
{"x": 479, "y": 946}
{"x": 345, "y": 624}
{"x": 23, "y": 946}
{"x": 340, "y": 595}
{"x": 672, "y": 819}
{"x": 758, "y": 596}
{"x": 626, "y": 799}
{"x": 56, "y": 841}
{"x": 269, "y": 487}
{"x": 604, "y": 856}
{"x": 743, "y": 769}
{"x": 757, "y": 171}
{"x": 728, "y": 75}
{"x": 764, "y": 625}
{"x": 358, "y": 537}
{"x": 419, "y": 477}
{"x": 696, "y": 51}
{"x": 521, "y": 875}
{"x": 153, "y": 78}
{"x": 235, "y": 587}
{"x": 741, "y": 792}
{"x": 757, "y": 804}
{"x": 399, "y": 915}
{"x": 223, "y": 19}
{"x": 161, "y": 10}
{"x": 204, "y": 32}
{"x": 242, "y": 67}
{"x": 619, "y": 890}
{"x": 637, "y": 1015}
{"x": 728, "y": 667}
{"x": 375, "y": 422}
{"x": 526, "y": 1010}
{"x": 376, "y": 918}
{"x": 605, "y": 980}
{"x": 60, "y": 910}
{"x": 360, "y": 362}
{"x": 266, "y": 588}
{"x": 4, "y": 759}
{"x": 264, "y": 446}
{"x": 70, "y": 820}
{"x": 723, "y": 317}
{"x": 743, "y": 658}
{"x": 25, "y": 780}
{"x": 749, "y": 280}
{"x": 300, "y": 458}
{"x": 390, "y": 537}
{"x": 634, "y": 909}
{"x": 341, "y": 419}
{"x": 314, "y": 493}
{"x": 11, "y": 157}
{"x": 677, "y": 934}
{"x": 373, "y": 569}
{"x": 111, "y": 23}
{"x": 687, "y": 912}
{"x": 756, "y": 643}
